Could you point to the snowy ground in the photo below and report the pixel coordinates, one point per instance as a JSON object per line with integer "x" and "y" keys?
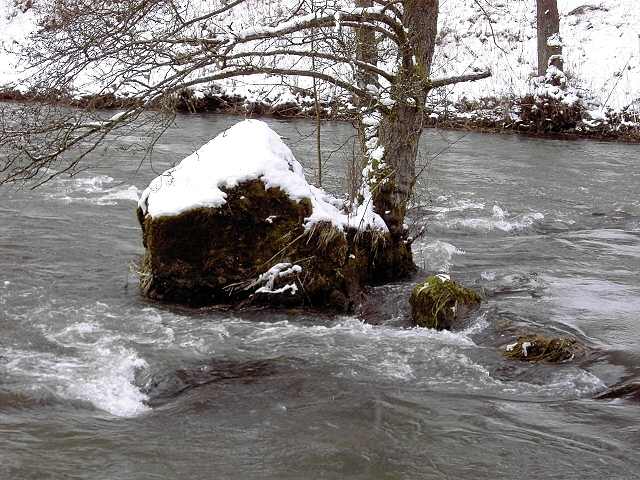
{"x": 601, "y": 47}
{"x": 601, "y": 39}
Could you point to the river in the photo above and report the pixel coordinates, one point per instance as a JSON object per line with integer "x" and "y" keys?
{"x": 98, "y": 383}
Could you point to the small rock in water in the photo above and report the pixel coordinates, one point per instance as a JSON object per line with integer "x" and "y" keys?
{"x": 537, "y": 348}
{"x": 439, "y": 302}
{"x": 629, "y": 390}
{"x": 166, "y": 387}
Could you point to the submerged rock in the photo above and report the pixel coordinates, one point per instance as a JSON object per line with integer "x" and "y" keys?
{"x": 170, "y": 385}
{"x": 237, "y": 222}
{"x": 627, "y": 390}
{"x": 537, "y": 348}
{"x": 440, "y": 303}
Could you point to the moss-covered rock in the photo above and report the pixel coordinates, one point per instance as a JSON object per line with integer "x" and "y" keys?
{"x": 439, "y": 303}
{"x": 538, "y": 348}
{"x": 237, "y": 221}
{"x": 255, "y": 248}
{"x": 209, "y": 256}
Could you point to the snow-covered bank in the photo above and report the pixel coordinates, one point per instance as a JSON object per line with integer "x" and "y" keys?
{"x": 601, "y": 48}
{"x": 601, "y": 52}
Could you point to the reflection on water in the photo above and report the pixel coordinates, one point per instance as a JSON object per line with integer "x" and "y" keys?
{"x": 98, "y": 383}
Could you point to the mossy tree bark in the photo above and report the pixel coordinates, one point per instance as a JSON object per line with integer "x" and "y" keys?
{"x": 391, "y": 178}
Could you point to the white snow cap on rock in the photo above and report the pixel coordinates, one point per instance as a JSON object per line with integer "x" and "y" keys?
{"x": 249, "y": 150}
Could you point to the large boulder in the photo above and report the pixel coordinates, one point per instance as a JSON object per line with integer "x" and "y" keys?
{"x": 237, "y": 222}
{"x": 441, "y": 303}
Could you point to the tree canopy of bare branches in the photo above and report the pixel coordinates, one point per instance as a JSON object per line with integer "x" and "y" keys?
{"x": 375, "y": 54}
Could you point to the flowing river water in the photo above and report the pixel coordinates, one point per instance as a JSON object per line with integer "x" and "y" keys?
{"x": 97, "y": 383}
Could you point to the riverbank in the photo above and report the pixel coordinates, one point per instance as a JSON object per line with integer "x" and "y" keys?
{"x": 487, "y": 115}
{"x": 601, "y": 65}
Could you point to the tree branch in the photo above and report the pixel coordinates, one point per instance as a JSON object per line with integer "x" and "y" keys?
{"x": 241, "y": 71}
{"x": 472, "y": 77}
{"x": 312, "y": 54}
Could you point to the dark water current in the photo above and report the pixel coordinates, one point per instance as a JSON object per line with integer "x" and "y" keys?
{"x": 97, "y": 383}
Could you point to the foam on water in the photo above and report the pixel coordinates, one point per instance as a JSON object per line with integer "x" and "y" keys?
{"x": 438, "y": 360}
{"x": 102, "y": 366}
{"x": 488, "y": 276}
{"x": 438, "y": 255}
{"x": 457, "y": 205}
{"x": 98, "y": 190}
{"x": 88, "y": 185}
{"x": 103, "y": 377}
{"x": 353, "y": 328}
{"x": 396, "y": 365}
{"x": 361, "y": 350}
{"x": 106, "y": 360}
{"x": 129, "y": 193}
{"x": 108, "y": 382}
{"x": 498, "y": 220}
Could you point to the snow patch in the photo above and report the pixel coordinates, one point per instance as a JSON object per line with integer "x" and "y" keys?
{"x": 249, "y": 150}
{"x": 280, "y": 270}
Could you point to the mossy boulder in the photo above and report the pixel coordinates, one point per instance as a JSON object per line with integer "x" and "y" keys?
{"x": 441, "y": 303}
{"x": 253, "y": 247}
{"x": 236, "y": 222}
{"x": 256, "y": 249}
{"x": 538, "y": 348}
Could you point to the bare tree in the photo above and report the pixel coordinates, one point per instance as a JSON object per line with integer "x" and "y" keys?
{"x": 374, "y": 53}
{"x": 549, "y": 43}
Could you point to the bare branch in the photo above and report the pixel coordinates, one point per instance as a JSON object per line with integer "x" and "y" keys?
{"x": 241, "y": 71}
{"x": 472, "y": 77}
{"x": 312, "y": 54}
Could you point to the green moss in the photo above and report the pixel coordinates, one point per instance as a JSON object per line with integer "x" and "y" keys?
{"x": 438, "y": 303}
{"x": 537, "y": 348}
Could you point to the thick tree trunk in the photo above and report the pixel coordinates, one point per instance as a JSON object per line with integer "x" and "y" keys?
{"x": 392, "y": 176}
{"x": 401, "y": 128}
{"x": 548, "y": 20}
{"x": 399, "y": 134}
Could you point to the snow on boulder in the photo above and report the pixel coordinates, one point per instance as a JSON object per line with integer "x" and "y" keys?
{"x": 237, "y": 222}
{"x": 249, "y": 150}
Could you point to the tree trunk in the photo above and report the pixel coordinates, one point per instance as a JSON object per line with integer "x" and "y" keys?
{"x": 548, "y": 20}
{"x": 401, "y": 128}
{"x": 392, "y": 177}
{"x": 399, "y": 134}
{"x": 366, "y": 50}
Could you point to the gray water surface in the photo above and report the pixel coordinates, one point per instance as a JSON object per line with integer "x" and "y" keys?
{"x": 97, "y": 383}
